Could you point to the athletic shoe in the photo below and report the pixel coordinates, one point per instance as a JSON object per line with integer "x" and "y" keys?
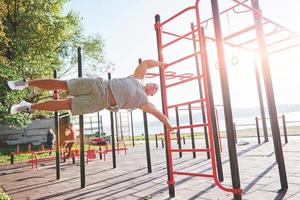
{"x": 17, "y": 85}
{"x": 23, "y": 106}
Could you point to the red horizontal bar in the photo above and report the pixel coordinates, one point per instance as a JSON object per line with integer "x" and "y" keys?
{"x": 252, "y": 40}
{"x": 152, "y": 75}
{"x": 228, "y": 43}
{"x": 184, "y": 81}
{"x": 184, "y": 58}
{"x": 190, "y": 126}
{"x": 178, "y": 14}
{"x": 192, "y": 108}
{"x": 186, "y": 103}
{"x": 278, "y": 25}
{"x": 173, "y": 34}
{"x": 280, "y": 41}
{"x": 250, "y": 28}
{"x": 171, "y": 75}
{"x": 231, "y": 8}
{"x": 259, "y": 13}
{"x": 177, "y": 39}
{"x": 193, "y": 174}
{"x": 285, "y": 48}
{"x": 190, "y": 150}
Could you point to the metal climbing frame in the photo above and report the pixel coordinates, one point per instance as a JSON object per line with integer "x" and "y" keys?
{"x": 165, "y": 76}
{"x": 250, "y": 38}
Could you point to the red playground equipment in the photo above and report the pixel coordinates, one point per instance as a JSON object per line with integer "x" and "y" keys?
{"x": 184, "y": 79}
{"x": 193, "y": 67}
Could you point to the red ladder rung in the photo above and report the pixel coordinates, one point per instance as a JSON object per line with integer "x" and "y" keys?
{"x": 183, "y": 59}
{"x": 190, "y": 126}
{"x": 186, "y": 103}
{"x": 190, "y": 150}
{"x": 177, "y": 39}
{"x": 193, "y": 174}
{"x": 183, "y": 81}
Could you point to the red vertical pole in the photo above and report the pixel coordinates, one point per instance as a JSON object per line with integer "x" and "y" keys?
{"x": 171, "y": 181}
{"x": 200, "y": 88}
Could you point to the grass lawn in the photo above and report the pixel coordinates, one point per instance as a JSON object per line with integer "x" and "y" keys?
{"x": 3, "y": 195}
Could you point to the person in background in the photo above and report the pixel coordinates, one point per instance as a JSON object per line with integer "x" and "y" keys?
{"x": 71, "y": 138}
{"x": 49, "y": 144}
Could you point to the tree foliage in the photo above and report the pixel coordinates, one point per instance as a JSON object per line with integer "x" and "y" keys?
{"x": 36, "y": 37}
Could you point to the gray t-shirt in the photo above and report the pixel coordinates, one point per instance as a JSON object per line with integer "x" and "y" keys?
{"x": 128, "y": 92}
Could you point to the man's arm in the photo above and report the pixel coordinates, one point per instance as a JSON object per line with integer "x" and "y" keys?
{"x": 142, "y": 68}
{"x": 150, "y": 108}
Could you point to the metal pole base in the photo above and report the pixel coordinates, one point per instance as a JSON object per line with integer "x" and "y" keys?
{"x": 171, "y": 191}
{"x": 237, "y": 197}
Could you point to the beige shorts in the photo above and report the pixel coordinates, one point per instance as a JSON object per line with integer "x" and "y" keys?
{"x": 88, "y": 95}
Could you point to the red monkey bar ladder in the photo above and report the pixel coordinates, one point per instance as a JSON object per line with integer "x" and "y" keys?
{"x": 205, "y": 99}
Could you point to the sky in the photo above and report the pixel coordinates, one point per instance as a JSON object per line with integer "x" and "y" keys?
{"x": 127, "y": 28}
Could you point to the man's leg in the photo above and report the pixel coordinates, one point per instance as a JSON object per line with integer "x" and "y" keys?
{"x": 48, "y": 84}
{"x": 47, "y": 105}
{"x": 52, "y": 105}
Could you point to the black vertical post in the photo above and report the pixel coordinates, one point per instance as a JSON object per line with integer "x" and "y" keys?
{"x": 112, "y": 129}
{"x": 234, "y": 168}
{"x": 57, "y": 136}
{"x": 98, "y": 118}
{"x": 101, "y": 125}
{"x": 234, "y": 133}
{"x": 73, "y": 158}
{"x": 213, "y": 116}
{"x": 148, "y": 155}
{"x": 261, "y": 103}
{"x": 117, "y": 127}
{"x": 171, "y": 181}
{"x": 270, "y": 94}
{"x": 132, "y": 131}
{"x": 12, "y": 158}
{"x": 284, "y": 129}
{"x": 178, "y": 131}
{"x": 192, "y": 129}
{"x": 200, "y": 90}
{"x": 91, "y": 123}
{"x": 121, "y": 126}
{"x": 81, "y": 126}
{"x": 100, "y": 150}
{"x": 156, "y": 142}
{"x": 100, "y": 131}
{"x": 257, "y": 129}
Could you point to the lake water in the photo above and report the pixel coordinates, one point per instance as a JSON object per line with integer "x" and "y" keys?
{"x": 292, "y": 119}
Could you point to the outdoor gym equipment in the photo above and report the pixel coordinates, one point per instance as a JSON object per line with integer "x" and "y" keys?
{"x": 257, "y": 44}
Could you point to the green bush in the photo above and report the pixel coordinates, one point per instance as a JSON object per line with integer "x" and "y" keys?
{"x": 4, "y": 196}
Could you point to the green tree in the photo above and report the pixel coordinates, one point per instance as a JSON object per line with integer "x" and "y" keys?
{"x": 3, "y": 38}
{"x": 36, "y": 37}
